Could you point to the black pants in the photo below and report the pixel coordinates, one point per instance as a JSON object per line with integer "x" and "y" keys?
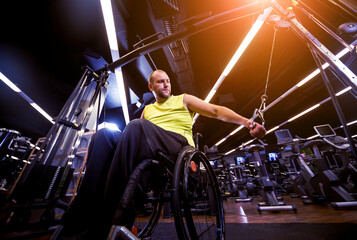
{"x": 140, "y": 140}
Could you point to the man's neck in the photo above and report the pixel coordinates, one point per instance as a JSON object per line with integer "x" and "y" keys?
{"x": 162, "y": 100}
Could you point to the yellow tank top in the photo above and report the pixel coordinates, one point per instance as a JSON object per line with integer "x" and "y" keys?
{"x": 171, "y": 115}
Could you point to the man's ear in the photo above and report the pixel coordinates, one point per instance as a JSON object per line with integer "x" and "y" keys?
{"x": 150, "y": 87}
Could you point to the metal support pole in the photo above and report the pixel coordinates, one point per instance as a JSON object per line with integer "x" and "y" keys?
{"x": 335, "y": 102}
{"x": 329, "y": 31}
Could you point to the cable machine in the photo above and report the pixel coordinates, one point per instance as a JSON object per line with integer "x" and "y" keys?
{"x": 43, "y": 182}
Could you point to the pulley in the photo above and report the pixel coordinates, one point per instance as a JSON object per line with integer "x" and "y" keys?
{"x": 273, "y": 19}
{"x": 349, "y": 28}
{"x": 282, "y": 25}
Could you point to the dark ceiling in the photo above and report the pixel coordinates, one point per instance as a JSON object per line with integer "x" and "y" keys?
{"x": 44, "y": 45}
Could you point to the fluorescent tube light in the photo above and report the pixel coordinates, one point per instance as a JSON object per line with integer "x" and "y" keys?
{"x": 273, "y": 129}
{"x": 9, "y": 83}
{"x": 304, "y": 112}
{"x": 243, "y": 46}
{"x": 229, "y": 151}
{"x": 24, "y": 96}
{"x": 343, "y": 91}
{"x": 113, "y": 44}
{"x": 221, "y": 141}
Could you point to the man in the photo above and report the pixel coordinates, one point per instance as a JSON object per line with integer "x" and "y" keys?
{"x": 165, "y": 126}
{"x": 159, "y": 84}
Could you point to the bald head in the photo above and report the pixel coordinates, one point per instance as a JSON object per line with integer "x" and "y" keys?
{"x": 152, "y": 75}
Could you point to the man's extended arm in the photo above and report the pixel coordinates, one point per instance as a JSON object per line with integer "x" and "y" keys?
{"x": 196, "y": 105}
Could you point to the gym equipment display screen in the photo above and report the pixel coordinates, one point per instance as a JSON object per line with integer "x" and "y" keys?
{"x": 272, "y": 157}
{"x": 240, "y": 160}
{"x": 283, "y": 136}
{"x": 213, "y": 163}
{"x": 324, "y": 130}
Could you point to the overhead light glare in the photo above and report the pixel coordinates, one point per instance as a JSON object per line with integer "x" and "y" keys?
{"x": 343, "y": 91}
{"x": 9, "y": 83}
{"x": 109, "y": 24}
{"x": 249, "y": 37}
{"x": 273, "y": 129}
{"x": 229, "y": 151}
{"x": 303, "y": 113}
{"x": 24, "y": 96}
{"x": 353, "y": 122}
{"x": 113, "y": 44}
{"x": 221, "y": 141}
{"x": 308, "y": 78}
{"x": 237, "y": 130}
{"x": 250, "y": 141}
{"x": 40, "y": 110}
{"x": 251, "y": 34}
{"x": 348, "y": 124}
{"x": 210, "y": 95}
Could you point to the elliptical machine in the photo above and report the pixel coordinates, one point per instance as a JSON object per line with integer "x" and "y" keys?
{"x": 271, "y": 202}
{"x": 326, "y": 181}
{"x": 242, "y": 180}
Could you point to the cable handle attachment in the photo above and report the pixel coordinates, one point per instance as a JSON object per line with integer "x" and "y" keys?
{"x": 257, "y": 113}
{"x": 260, "y": 112}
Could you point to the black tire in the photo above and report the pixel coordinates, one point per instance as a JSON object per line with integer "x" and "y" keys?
{"x": 143, "y": 196}
{"x": 197, "y": 202}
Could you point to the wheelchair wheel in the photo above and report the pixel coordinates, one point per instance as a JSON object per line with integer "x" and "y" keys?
{"x": 142, "y": 198}
{"x": 197, "y": 203}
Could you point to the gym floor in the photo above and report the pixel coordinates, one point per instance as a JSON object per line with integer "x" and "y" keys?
{"x": 246, "y": 212}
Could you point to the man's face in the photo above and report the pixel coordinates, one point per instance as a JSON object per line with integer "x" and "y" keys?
{"x": 161, "y": 86}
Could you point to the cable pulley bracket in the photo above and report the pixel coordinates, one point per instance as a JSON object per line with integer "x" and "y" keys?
{"x": 258, "y": 113}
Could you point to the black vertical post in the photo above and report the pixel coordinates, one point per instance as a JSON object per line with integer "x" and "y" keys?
{"x": 335, "y": 102}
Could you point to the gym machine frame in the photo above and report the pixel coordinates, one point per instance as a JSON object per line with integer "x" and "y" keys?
{"x": 43, "y": 182}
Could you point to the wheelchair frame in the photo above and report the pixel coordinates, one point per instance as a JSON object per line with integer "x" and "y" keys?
{"x": 195, "y": 190}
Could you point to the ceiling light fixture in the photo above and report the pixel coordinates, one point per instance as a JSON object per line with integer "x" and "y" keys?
{"x": 350, "y": 123}
{"x": 24, "y": 96}
{"x": 273, "y": 129}
{"x": 243, "y": 46}
{"x": 229, "y": 152}
{"x": 232, "y": 133}
{"x": 304, "y": 112}
{"x": 114, "y": 50}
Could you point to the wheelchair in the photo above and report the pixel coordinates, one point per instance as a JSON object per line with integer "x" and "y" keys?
{"x": 189, "y": 184}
